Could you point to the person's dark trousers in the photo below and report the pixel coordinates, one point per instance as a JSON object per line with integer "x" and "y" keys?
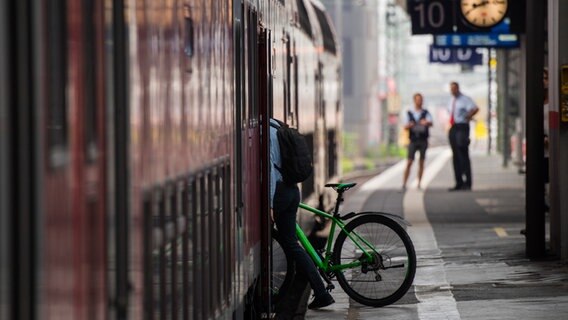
{"x": 285, "y": 206}
{"x": 459, "y": 141}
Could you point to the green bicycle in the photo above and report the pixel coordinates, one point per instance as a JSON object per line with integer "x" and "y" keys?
{"x": 373, "y": 258}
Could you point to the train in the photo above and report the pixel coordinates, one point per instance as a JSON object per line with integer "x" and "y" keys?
{"x": 133, "y": 151}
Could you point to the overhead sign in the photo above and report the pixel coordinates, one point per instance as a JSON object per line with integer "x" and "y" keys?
{"x": 468, "y": 56}
{"x": 445, "y": 17}
{"x": 431, "y": 17}
{"x": 478, "y": 40}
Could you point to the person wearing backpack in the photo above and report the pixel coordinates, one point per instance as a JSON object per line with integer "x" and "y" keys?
{"x": 418, "y": 123}
{"x": 290, "y": 163}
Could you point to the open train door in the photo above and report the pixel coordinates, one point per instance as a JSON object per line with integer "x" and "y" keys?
{"x": 251, "y": 109}
{"x": 265, "y": 108}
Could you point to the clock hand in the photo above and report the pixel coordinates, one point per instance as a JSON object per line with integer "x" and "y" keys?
{"x": 477, "y": 5}
{"x": 481, "y": 4}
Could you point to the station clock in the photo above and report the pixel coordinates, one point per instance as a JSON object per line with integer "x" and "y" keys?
{"x": 484, "y": 13}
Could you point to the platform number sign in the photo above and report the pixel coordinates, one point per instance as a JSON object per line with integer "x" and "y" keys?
{"x": 431, "y": 16}
{"x": 446, "y": 16}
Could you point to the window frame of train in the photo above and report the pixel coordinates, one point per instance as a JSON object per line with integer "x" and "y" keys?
{"x": 180, "y": 282}
{"x": 5, "y": 138}
{"x": 252, "y": 70}
{"x": 304, "y": 18}
{"x": 116, "y": 95}
{"x": 91, "y": 99}
{"x": 288, "y": 78}
{"x": 188, "y": 37}
{"x": 56, "y": 66}
{"x": 328, "y": 40}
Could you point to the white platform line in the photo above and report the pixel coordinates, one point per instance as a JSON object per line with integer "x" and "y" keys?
{"x": 431, "y": 286}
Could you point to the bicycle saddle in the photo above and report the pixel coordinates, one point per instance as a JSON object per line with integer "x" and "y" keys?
{"x": 341, "y": 186}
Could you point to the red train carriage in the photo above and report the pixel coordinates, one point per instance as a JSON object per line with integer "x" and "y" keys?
{"x": 133, "y": 176}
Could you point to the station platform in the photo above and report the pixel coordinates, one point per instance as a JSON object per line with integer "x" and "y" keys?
{"x": 471, "y": 255}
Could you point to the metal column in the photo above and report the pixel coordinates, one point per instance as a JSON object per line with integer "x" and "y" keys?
{"x": 534, "y": 63}
{"x": 558, "y": 133}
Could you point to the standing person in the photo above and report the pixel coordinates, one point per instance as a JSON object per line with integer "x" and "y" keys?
{"x": 462, "y": 109}
{"x": 417, "y": 123}
{"x": 284, "y": 201}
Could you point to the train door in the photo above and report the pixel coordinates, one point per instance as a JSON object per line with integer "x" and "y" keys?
{"x": 72, "y": 170}
{"x": 238, "y": 31}
{"x": 251, "y": 110}
{"x": 251, "y": 146}
{"x": 87, "y": 141}
{"x": 265, "y": 106}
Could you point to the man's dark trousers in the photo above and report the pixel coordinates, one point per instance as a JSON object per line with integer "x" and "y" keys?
{"x": 285, "y": 206}
{"x": 459, "y": 141}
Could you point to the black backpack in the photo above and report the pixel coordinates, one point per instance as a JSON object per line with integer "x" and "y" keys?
{"x": 296, "y": 157}
{"x": 418, "y": 132}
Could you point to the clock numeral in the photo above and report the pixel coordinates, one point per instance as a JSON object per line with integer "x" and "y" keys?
{"x": 428, "y": 12}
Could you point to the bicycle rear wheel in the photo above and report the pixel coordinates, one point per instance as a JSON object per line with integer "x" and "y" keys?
{"x": 389, "y": 275}
{"x": 283, "y": 269}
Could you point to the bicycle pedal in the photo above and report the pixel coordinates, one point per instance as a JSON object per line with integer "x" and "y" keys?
{"x": 330, "y": 287}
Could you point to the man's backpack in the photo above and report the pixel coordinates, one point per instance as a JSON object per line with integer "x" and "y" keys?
{"x": 296, "y": 165}
{"x": 418, "y": 132}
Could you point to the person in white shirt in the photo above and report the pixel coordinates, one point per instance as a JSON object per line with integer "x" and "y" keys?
{"x": 462, "y": 109}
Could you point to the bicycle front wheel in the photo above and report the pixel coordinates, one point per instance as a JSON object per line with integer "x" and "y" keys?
{"x": 387, "y": 276}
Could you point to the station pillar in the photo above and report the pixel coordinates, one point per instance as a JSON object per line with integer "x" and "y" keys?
{"x": 534, "y": 97}
{"x": 558, "y": 123}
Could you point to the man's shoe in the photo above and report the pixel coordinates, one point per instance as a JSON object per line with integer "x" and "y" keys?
{"x": 466, "y": 188}
{"x": 321, "y": 301}
{"x": 456, "y": 188}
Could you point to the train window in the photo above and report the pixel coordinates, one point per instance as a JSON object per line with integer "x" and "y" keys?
{"x": 252, "y": 66}
{"x": 287, "y": 81}
{"x": 213, "y": 244}
{"x": 91, "y": 97}
{"x": 188, "y": 207}
{"x": 296, "y": 87}
{"x": 57, "y": 82}
{"x": 304, "y": 18}
{"x": 308, "y": 185}
{"x": 228, "y": 230}
{"x": 331, "y": 154}
{"x": 188, "y": 37}
{"x": 328, "y": 39}
{"x": 163, "y": 264}
{"x": 198, "y": 248}
{"x": 348, "y": 67}
{"x": 221, "y": 235}
{"x": 177, "y": 267}
{"x": 148, "y": 211}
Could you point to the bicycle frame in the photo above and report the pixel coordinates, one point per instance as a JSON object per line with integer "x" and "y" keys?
{"x": 324, "y": 265}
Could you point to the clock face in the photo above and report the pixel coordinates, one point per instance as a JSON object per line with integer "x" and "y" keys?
{"x": 484, "y": 13}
